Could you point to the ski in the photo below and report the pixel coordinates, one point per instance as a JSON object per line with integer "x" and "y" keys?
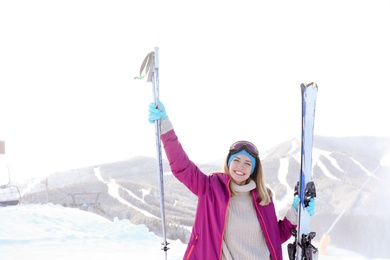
{"x": 302, "y": 247}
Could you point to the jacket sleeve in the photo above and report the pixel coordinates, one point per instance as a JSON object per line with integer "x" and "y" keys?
{"x": 285, "y": 227}
{"x": 181, "y": 166}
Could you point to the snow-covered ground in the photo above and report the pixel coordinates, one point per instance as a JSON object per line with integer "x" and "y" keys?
{"x": 55, "y": 232}
{"x": 41, "y": 232}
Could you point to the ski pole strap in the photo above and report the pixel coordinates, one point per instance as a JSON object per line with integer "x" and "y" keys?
{"x": 148, "y": 66}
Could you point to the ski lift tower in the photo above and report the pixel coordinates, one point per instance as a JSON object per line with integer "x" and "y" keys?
{"x": 9, "y": 194}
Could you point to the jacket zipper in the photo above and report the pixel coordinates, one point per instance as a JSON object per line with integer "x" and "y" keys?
{"x": 226, "y": 212}
{"x": 265, "y": 228}
{"x": 192, "y": 247}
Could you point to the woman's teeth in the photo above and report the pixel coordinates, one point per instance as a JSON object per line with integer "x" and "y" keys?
{"x": 240, "y": 173}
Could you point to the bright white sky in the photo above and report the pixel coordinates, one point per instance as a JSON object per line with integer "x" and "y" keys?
{"x": 228, "y": 71}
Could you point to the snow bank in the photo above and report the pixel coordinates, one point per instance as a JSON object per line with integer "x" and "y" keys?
{"x": 55, "y": 232}
{"x": 41, "y": 232}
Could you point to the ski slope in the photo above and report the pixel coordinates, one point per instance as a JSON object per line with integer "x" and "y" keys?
{"x": 54, "y": 232}
{"x": 46, "y": 232}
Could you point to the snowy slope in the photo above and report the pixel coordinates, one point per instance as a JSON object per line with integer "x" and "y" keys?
{"x": 55, "y": 232}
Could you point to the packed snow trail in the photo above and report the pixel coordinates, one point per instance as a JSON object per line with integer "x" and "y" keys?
{"x": 113, "y": 191}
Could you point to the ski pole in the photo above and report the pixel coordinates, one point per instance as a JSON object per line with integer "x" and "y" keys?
{"x": 151, "y": 66}
{"x": 157, "y": 124}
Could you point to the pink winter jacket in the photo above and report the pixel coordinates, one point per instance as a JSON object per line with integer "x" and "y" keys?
{"x": 213, "y": 200}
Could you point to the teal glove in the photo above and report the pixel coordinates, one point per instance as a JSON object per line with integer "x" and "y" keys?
{"x": 296, "y": 202}
{"x": 156, "y": 113}
{"x": 309, "y": 208}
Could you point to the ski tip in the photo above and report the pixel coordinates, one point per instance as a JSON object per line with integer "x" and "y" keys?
{"x": 310, "y": 87}
{"x": 311, "y": 84}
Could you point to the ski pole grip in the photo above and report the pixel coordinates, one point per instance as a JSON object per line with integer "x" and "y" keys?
{"x": 2, "y": 147}
{"x": 156, "y": 59}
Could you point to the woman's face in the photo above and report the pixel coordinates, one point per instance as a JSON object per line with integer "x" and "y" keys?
{"x": 240, "y": 169}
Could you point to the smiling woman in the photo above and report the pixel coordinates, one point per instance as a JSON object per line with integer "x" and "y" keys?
{"x": 235, "y": 217}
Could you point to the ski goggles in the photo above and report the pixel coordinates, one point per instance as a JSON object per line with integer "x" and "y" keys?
{"x": 244, "y": 145}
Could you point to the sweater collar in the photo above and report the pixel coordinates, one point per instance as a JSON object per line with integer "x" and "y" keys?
{"x": 243, "y": 188}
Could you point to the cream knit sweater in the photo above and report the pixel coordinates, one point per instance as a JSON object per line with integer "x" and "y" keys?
{"x": 243, "y": 238}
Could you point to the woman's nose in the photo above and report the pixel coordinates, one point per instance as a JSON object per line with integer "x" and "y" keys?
{"x": 241, "y": 165}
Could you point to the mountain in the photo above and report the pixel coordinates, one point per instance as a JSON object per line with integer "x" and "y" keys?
{"x": 351, "y": 184}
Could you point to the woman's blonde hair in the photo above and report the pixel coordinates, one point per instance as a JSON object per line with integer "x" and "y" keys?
{"x": 258, "y": 176}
